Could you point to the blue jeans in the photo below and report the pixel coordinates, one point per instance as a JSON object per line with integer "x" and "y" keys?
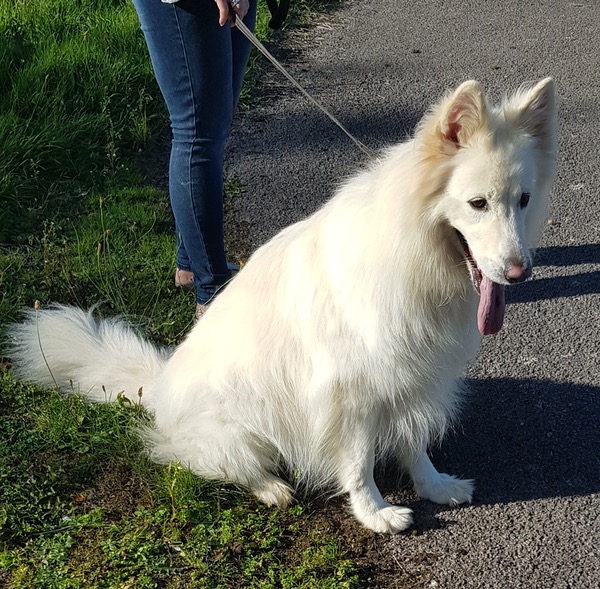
{"x": 199, "y": 67}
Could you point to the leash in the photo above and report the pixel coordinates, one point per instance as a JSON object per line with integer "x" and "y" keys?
{"x": 252, "y": 38}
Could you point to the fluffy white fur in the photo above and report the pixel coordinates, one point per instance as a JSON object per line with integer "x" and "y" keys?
{"x": 346, "y": 334}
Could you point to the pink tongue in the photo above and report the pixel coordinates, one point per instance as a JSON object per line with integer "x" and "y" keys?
{"x": 490, "y": 313}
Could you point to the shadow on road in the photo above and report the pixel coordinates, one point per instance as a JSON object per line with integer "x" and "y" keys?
{"x": 526, "y": 439}
{"x": 560, "y": 286}
{"x": 568, "y": 255}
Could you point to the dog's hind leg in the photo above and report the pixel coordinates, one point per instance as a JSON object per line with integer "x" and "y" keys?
{"x": 254, "y": 469}
{"x": 224, "y": 454}
{"x": 355, "y": 472}
{"x": 255, "y": 476}
{"x": 437, "y": 487}
{"x": 254, "y": 464}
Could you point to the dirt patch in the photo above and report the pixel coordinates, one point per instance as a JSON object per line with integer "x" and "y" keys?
{"x": 118, "y": 491}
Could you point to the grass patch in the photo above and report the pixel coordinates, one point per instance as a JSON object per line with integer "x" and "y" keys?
{"x": 80, "y": 505}
{"x": 78, "y": 104}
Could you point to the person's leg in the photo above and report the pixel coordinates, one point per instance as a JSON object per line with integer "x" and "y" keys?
{"x": 193, "y": 63}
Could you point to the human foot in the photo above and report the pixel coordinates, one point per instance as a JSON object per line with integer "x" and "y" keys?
{"x": 184, "y": 278}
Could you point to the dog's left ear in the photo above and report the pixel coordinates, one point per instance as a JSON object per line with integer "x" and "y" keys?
{"x": 462, "y": 114}
{"x": 537, "y": 114}
{"x": 450, "y": 125}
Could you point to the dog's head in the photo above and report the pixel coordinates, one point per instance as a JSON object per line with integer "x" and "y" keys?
{"x": 499, "y": 164}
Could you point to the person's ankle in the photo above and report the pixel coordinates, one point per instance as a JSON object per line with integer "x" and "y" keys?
{"x": 184, "y": 278}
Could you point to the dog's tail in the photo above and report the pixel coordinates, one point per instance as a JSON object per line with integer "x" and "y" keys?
{"x": 65, "y": 347}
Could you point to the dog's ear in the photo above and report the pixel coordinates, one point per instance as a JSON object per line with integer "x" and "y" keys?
{"x": 537, "y": 112}
{"x": 462, "y": 114}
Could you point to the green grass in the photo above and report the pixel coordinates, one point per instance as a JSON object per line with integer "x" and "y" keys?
{"x": 80, "y": 90}
{"x": 80, "y": 505}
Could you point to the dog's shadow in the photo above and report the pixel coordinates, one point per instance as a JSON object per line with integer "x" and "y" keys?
{"x": 526, "y": 439}
{"x": 519, "y": 440}
{"x": 564, "y": 286}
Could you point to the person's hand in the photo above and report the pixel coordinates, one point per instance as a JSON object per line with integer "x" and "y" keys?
{"x": 229, "y": 8}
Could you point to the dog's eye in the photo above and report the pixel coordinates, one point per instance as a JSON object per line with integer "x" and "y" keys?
{"x": 524, "y": 200}
{"x": 479, "y": 203}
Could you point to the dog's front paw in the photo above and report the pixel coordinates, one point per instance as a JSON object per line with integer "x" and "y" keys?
{"x": 387, "y": 520}
{"x": 446, "y": 489}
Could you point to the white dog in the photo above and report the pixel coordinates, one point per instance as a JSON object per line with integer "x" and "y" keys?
{"x": 346, "y": 334}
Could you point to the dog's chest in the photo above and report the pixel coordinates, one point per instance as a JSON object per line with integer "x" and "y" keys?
{"x": 435, "y": 343}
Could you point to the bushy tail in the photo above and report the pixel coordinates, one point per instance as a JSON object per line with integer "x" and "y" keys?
{"x": 66, "y": 347}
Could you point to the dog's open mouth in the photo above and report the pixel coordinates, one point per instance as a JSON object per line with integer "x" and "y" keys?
{"x": 490, "y": 313}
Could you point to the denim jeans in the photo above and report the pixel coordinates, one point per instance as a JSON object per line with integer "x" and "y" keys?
{"x": 199, "y": 67}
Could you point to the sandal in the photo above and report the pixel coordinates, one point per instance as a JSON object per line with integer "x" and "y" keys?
{"x": 200, "y": 310}
{"x": 185, "y": 278}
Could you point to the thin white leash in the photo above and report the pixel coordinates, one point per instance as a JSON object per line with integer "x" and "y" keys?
{"x": 252, "y": 38}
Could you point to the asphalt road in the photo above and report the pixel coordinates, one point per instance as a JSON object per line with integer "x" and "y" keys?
{"x": 530, "y": 432}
